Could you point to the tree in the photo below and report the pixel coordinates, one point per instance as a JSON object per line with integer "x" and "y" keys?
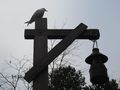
{"x": 62, "y": 60}
{"x": 12, "y": 77}
{"x": 89, "y": 88}
{"x": 111, "y": 85}
{"x": 66, "y": 78}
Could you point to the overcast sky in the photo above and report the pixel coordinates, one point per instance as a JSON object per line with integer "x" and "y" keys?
{"x": 101, "y": 14}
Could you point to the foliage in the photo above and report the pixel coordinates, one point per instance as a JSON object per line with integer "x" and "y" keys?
{"x": 111, "y": 85}
{"x": 66, "y": 78}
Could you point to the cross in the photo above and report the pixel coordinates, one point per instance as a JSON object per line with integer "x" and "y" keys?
{"x": 42, "y": 58}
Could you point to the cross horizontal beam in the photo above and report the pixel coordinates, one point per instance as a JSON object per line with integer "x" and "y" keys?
{"x": 92, "y": 34}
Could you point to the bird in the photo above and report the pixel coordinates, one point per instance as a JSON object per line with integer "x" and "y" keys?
{"x": 38, "y": 14}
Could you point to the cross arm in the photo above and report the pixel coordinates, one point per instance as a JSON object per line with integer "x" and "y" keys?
{"x": 92, "y": 34}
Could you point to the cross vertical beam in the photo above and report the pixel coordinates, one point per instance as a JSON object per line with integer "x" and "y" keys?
{"x": 40, "y": 50}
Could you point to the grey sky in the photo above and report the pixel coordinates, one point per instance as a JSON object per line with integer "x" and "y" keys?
{"x": 101, "y": 14}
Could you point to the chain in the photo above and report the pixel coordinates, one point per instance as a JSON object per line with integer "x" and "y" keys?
{"x": 95, "y": 44}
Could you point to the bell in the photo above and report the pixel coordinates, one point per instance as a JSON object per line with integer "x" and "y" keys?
{"x": 98, "y": 71}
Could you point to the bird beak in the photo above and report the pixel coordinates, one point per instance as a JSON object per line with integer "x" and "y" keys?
{"x": 46, "y": 10}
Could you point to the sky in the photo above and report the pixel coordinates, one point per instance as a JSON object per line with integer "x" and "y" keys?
{"x": 98, "y": 14}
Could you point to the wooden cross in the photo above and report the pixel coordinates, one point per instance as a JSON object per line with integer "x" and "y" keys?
{"x": 39, "y": 72}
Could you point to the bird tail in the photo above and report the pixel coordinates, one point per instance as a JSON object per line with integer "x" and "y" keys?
{"x": 27, "y": 23}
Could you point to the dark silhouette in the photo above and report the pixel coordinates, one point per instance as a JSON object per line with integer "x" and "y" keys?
{"x": 98, "y": 71}
{"x": 111, "y": 85}
{"x": 38, "y": 14}
{"x": 66, "y": 78}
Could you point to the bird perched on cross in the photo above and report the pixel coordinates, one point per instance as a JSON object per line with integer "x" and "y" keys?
{"x": 37, "y": 15}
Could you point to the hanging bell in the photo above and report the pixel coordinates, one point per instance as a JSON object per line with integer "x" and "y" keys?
{"x": 98, "y": 71}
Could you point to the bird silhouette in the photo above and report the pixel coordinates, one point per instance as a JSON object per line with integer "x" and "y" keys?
{"x": 38, "y": 14}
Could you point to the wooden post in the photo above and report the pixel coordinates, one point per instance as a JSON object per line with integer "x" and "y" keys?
{"x": 40, "y": 50}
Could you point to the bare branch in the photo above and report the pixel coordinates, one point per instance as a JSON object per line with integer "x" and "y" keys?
{"x": 8, "y": 82}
